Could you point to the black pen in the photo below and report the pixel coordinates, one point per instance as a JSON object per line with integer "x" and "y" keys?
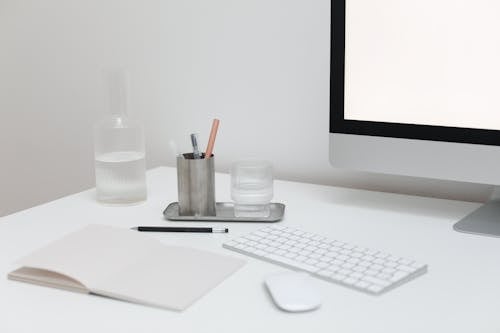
{"x": 196, "y": 151}
{"x": 181, "y": 229}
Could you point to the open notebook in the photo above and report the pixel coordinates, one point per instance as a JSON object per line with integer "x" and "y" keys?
{"x": 126, "y": 265}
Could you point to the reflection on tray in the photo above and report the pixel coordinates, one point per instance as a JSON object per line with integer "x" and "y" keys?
{"x": 225, "y": 213}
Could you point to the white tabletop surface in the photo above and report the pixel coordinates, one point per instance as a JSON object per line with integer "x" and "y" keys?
{"x": 459, "y": 293}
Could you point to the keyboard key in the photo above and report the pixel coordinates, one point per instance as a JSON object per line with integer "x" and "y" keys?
{"x": 345, "y": 271}
{"x": 353, "y": 260}
{"x": 356, "y": 255}
{"x": 259, "y": 253}
{"x": 368, "y": 258}
{"x": 338, "y": 277}
{"x": 253, "y": 237}
{"x": 359, "y": 269}
{"x": 384, "y": 276}
{"x": 325, "y": 273}
{"x": 293, "y": 263}
{"x": 337, "y": 262}
{"x": 375, "y": 288}
{"x": 322, "y": 264}
{"x": 270, "y": 249}
{"x": 320, "y": 251}
{"x": 390, "y": 264}
{"x": 375, "y": 280}
{"x": 381, "y": 255}
{"x": 311, "y": 261}
{"x": 398, "y": 276}
{"x": 389, "y": 270}
{"x": 280, "y": 252}
{"x": 305, "y": 252}
{"x": 301, "y": 258}
{"x": 275, "y": 244}
{"x": 348, "y": 265}
{"x": 364, "y": 263}
{"x": 349, "y": 280}
{"x": 362, "y": 284}
{"x": 393, "y": 258}
{"x": 417, "y": 265}
{"x": 300, "y": 245}
{"x": 405, "y": 268}
{"x": 315, "y": 255}
{"x": 334, "y": 268}
{"x": 331, "y": 254}
{"x": 240, "y": 246}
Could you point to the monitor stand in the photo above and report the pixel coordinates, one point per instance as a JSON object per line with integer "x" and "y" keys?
{"x": 485, "y": 220}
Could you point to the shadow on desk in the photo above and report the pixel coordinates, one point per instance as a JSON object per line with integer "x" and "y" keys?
{"x": 399, "y": 203}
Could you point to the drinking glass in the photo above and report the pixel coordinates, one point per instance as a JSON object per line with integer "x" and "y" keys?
{"x": 251, "y": 188}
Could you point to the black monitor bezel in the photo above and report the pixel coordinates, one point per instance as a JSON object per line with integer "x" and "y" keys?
{"x": 338, "y": 124}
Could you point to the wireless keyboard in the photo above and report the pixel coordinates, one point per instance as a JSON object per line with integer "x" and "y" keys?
{"x": 370, "y": 271}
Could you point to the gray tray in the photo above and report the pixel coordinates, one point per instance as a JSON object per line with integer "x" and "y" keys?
{"x": 225, "y": 212}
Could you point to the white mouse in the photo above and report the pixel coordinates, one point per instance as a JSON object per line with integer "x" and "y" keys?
{"x": 293, "y": 291}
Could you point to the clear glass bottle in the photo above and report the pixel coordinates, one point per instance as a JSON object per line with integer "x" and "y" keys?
{"x": 120, "y": 165}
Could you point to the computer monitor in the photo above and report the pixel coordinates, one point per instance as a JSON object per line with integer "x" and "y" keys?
{"x": 415, "y": 90}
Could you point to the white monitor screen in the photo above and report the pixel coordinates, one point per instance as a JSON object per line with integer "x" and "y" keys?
{"x": 424, "y": 62}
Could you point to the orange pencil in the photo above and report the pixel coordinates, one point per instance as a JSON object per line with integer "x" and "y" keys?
{"x": 211, "y": 140}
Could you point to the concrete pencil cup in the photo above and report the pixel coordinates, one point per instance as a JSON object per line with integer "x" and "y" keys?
{"x": 196, "y": 185}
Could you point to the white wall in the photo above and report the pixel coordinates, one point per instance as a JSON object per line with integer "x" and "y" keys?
{"x": 261, "y": 66}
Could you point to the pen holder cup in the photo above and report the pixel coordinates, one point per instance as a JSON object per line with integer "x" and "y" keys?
{"x": 196, "y": 185}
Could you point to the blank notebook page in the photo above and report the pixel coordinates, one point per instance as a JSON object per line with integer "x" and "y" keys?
{"x": 125, "y": 264}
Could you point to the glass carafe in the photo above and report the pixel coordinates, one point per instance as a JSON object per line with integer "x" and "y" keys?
{"x": 120, "y": 166}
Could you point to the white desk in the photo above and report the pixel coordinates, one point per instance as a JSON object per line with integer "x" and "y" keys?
{"x": 459, "y": 293}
